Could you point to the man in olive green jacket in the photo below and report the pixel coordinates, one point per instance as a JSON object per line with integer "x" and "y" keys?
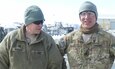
{"x": 90, "y": 47}
{"x": 29, "y": 47}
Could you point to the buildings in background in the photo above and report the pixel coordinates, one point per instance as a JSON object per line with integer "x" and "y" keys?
{"x": 107, "y": 24}
{"x": 59, "y": 28}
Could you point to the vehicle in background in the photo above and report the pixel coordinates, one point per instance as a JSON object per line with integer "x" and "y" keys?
{"x": 2, "y": 33}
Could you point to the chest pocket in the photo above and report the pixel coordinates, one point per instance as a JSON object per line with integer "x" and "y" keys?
{"x": 17, "y": 49}
{"x": 17, "y": 55}
{"x": 75, "y": 52}
{"x": 38, "y": 55}
{"x": 37, "y": 51}
{"x": 99, "y": 50}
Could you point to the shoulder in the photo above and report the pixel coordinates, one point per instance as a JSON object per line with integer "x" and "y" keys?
{"x": 73, "y": 34}
{"x": 9, "y": 38}
{"x": 46, "y": 36}
{"x": 11, "y": 35}
{"x": 106, "y": 35}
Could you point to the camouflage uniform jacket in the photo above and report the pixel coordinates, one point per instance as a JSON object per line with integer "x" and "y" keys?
{"x": 97, "y": 53}
{"x": 16, "y": 53}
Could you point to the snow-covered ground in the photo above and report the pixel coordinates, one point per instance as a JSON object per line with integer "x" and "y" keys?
{"x": 113, "y": 67}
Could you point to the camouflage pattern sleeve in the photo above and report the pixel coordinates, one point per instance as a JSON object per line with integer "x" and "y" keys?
{"x": 62, "y": 46}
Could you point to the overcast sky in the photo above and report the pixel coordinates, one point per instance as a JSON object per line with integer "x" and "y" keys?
{"x": 54, "y": 10}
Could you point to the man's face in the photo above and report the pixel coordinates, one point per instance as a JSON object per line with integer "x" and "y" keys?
{"x": 35, "y": 27}
{"x": 88, "y": 19}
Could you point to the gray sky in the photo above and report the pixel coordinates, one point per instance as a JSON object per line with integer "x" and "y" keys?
{"x": 54, "y": 10}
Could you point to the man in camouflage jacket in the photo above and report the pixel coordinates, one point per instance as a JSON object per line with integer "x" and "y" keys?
{"x": 89, "y": 47}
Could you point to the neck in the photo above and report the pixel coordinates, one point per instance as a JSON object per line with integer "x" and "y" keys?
{"x": 93, "y": 29}
{"x": 30, "y": 37}
{"x": 29, "y": 33}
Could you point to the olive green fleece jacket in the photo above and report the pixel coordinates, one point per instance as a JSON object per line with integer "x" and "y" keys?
{"x": 16, "y": 53}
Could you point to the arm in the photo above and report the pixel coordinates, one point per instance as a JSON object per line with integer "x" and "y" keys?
{"x": 4, "y": 60}
{"x": 55, "y": 58}
{"x": 62, "y": 48}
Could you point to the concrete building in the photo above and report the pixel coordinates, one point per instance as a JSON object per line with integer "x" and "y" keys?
{"x": 107, "y": 23}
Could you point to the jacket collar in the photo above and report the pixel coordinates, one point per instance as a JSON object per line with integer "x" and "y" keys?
{"x": 21, "y": 35}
